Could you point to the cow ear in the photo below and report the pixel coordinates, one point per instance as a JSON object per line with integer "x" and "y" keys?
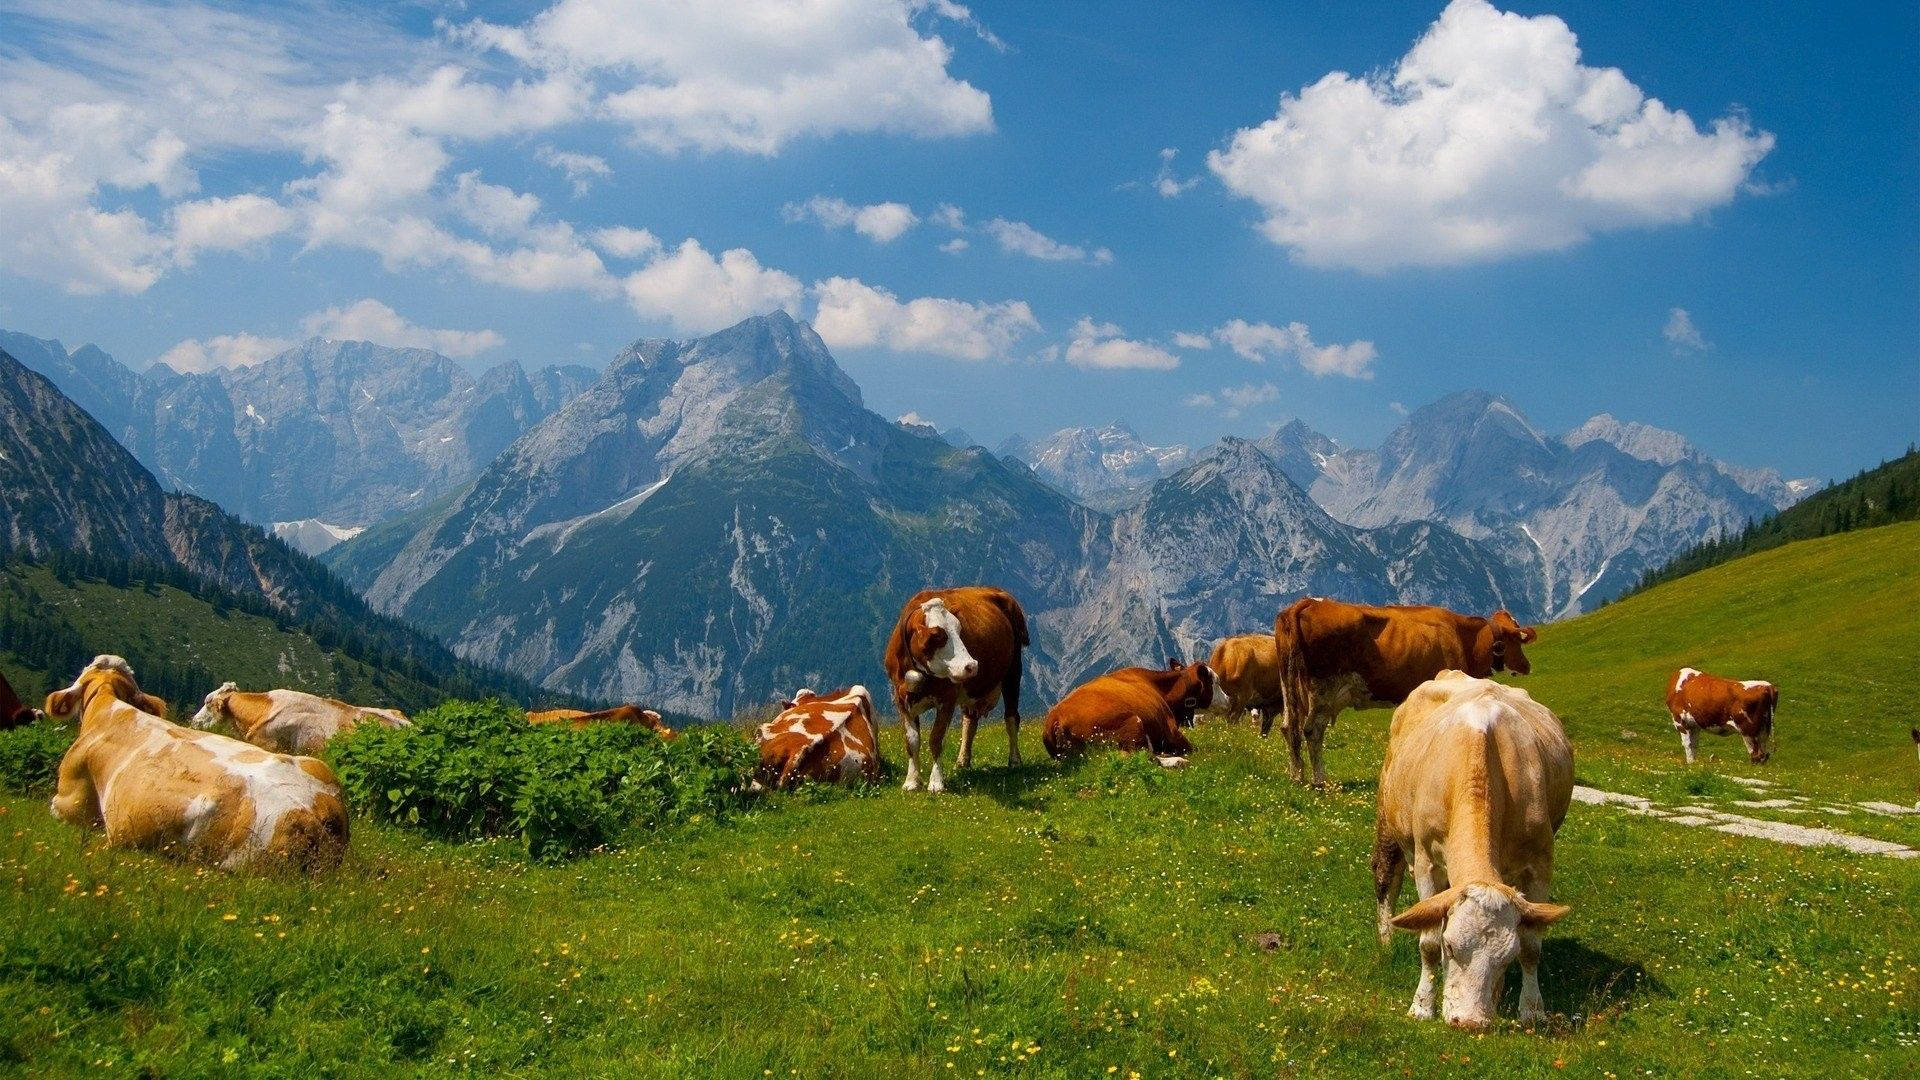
{"x": 1428, "y": 913}
{"x": 1532, "y": 914}
{"x": 151, "y": 705}
{"x": 1174, "y": 664}
{"x": 1528, "y": 635}
{"x": 61, "y": 703}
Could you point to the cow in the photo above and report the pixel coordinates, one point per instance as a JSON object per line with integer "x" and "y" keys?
{"x": 956, "y": 648}
{"x": 1700, "y": 702}
{"x": 1247, "y": 669}
{"x": 1915, "y": 732}
{"x": 1476, "y": 783}
{"x": 14, "y": 712}
{"x": 1336, "y": 656}
{"x": 1132, "y": 709}
{"x": 288, "y": 721}
{"x": 580, "y": 720}
{"x": 828, "y": 738}
{"x": 188, "y": 794}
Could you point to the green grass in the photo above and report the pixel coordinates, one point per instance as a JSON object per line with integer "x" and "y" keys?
{"x": 1043, "y": 921}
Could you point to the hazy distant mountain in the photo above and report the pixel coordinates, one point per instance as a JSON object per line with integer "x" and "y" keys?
{"x": 313, "y": 536}
{"x": 348, "y": 432}
{"x": 1084, "y": 461}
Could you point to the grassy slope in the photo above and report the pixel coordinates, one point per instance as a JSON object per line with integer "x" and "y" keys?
{"x": 1103, "y": 915}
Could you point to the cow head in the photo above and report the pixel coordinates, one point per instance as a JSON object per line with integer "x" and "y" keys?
{"x": 1756, "y": 720}
{"x": 1503, "y": 639}
{"x": 213, "y": 708}
{"x": 1480, "y": 927}
{"x": 1192, "y": 690}
{"x": 934, "y": 644}
{"x": 108, "y": 675}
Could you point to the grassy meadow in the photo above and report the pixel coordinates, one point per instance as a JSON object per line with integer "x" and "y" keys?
{"x": 1104, "y": 919}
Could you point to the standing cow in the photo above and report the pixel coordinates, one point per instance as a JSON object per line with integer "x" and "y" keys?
{"x": 1336, "y": 656}
{"x": 1132, "y": 709}
{"x": 956, "y": 648}
{"x": 190, "y": 794}
{"x": 827, "y": 738}
{"x": 1700, "y": 702}
{"x": 1477, "y": 780}
{"x": 13, "y": 712}
{"x": 1247, "y": 668}
{"x": 288, "y": 721}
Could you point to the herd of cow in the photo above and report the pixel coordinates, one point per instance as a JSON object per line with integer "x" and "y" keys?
{"x": 1477, "y": 779}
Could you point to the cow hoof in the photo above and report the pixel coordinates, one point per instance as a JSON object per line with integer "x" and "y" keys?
{"x": 1422, "y": 1010}
{"x": 912, "y": 784}
{"x": 1171, "y": 762}
{"x": 1532, "y": 1016}
{"x": 936, "y": 788}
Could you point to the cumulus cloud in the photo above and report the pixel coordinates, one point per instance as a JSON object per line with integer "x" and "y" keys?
{"x": 852, "y": 314}
{"x": 1202, "y": 400}
{"x": 949, "y": 216}
{"x": 955, "y": 246}
{"x": 371, "y": 320}
{"x": 623, "y": 242}
{"x": 1021, "y": 238}
{"x": 1165, "y": 183}
{"x": 880, "y": 222}
{"x": 231, "y": 224}
{"x": 581, "y": 169}
{"x": 695, "y": 292}
{"x": 1100, "y": 345}
{"x": 222, "y": 351}
{"x": 1238, "y": 399}
{"x": 1682, "y": 335}
{"x": 1192, "y": 341}
{"x": 753, "y": 75}
{"x": 1261, "y": 342}
{"x": 1488, "y": 139}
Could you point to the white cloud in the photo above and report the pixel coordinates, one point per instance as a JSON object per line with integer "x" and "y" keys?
{"x": 1238, "y": 399}
{"x": 371, "y": 320}
{"x": 852, "y": 314}
{"x": 231, "y": 224}
{"x": 880, "y": 222}
{"x": 581, "y": 169}
{"x": 949, "y": 216}
{"x": 955, "y": 246}
{"x": 1260, "y": 342}
{"x": 753, "y": 75}
{"x": 1105, "y": 346}
{"x": 222, "y": 351}
{"x": 1397, "y": 408}
{"x": 1488, "y": 139}
{"x": 1192, "y": 341}
{"x": 1165, "y": 183}
{"x": 1021, "y": 238}
{"x": 1201, "y": 400}
{"x": 695, "y": 292}
{"x": 1682, "y": 335}
{"x": 623, "y": 242}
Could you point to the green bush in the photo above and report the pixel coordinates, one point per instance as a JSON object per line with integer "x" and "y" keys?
{"x": 30, "y": 757}
{"x": 468, "y": 770}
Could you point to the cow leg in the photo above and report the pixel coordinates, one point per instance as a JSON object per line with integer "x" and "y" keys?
{"x": 1433, "y": 956}
{"x": 937, "y": 783}
{"x": 910, "y": 729}
{"x": 1296, "y": 769}
{"x": 1010, "y": 711}
{"x": 1533, "y": 1007}
{"x": 74, "y": 799}
{"x": 1689, "y": 742}
{"x": 1389, "y": 870}
{"x": 969, "y": 724}
{"x": 1316, "y": 740}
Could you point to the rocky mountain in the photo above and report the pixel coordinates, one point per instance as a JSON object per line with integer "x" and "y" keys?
{"x": 311, "y": 536}
{"x": 718, "y": 520}
{"x": 347, "y": 432}
{"x": 1589, "y": 511}
{"x": 1086, "y": 461}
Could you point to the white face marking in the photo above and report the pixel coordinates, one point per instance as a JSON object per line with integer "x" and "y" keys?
{"x": 1482, "y": 938}
{"x": 952, "y": 661}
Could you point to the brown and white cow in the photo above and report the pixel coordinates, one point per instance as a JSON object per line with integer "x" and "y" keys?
{"x": 13, "y": 712}
{"x": 956, "y": 648}
{"x": 579, "y": 720}
{"x": 1702, "y": 702}
{"x": 288, "y": 721}
{"x": 1132, "y": 709}
{"x": 1476, "y": 783}
{"x": 829, "y": 738}
{"x": 1336, "y": 656}
{"x": 190, "y": 794}
{"x": 1247, "y": 669}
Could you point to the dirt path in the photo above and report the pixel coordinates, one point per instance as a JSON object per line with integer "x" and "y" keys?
{"x": 1780, "y": 832}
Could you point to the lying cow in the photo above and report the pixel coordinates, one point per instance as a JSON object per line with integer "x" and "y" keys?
{"x": 830, "y": 739}
{"x": 288, "y": 721}
{"x": 1702, "y": 702}
{"x": 14, "y": 712}
{"x": 190, "y": 794}
{"x": 1336, "y": 656}
{"x": 1477, "y": 780}
{"x": 956, "y": 648}
{"x": 579, "y": 720}
{"x": 1247, "y": 668}
{"x": 1132, "y": 709}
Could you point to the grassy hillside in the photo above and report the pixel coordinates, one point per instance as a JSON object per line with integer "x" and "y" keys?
{"x": 1830, "y": 621}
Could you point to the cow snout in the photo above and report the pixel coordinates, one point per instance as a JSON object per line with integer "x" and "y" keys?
{"x": 966, "y": 669}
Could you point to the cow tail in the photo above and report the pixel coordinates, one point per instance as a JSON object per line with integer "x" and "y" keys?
{"x": 1296, "y": 686}
{"x": 1010, "y": 686}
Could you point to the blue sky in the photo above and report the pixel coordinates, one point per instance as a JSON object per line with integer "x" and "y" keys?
{"x": 1499, "y": 197}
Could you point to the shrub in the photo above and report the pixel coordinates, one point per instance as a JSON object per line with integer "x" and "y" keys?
{"x": 30, "y": 757}
{"x": 467, "y": 770}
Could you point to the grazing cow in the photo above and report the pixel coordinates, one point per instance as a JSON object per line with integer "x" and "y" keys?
{"x": 1476, "y": 783}
{"x": 580, "y": 720}
{"x": 1702, "y": 702}
{"x": 1915, "y": 732}
{"x": 288, "y": 721}
{"x": 13, "y": 712}
{"x": 1336, "y": 656}
{"x": 190, "y": 794}
{"x": 1248, "y": 670}
{"x": 1132, "y": 709}
{"x": 956, "y": 648}
{"x": 830, "y": 739}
